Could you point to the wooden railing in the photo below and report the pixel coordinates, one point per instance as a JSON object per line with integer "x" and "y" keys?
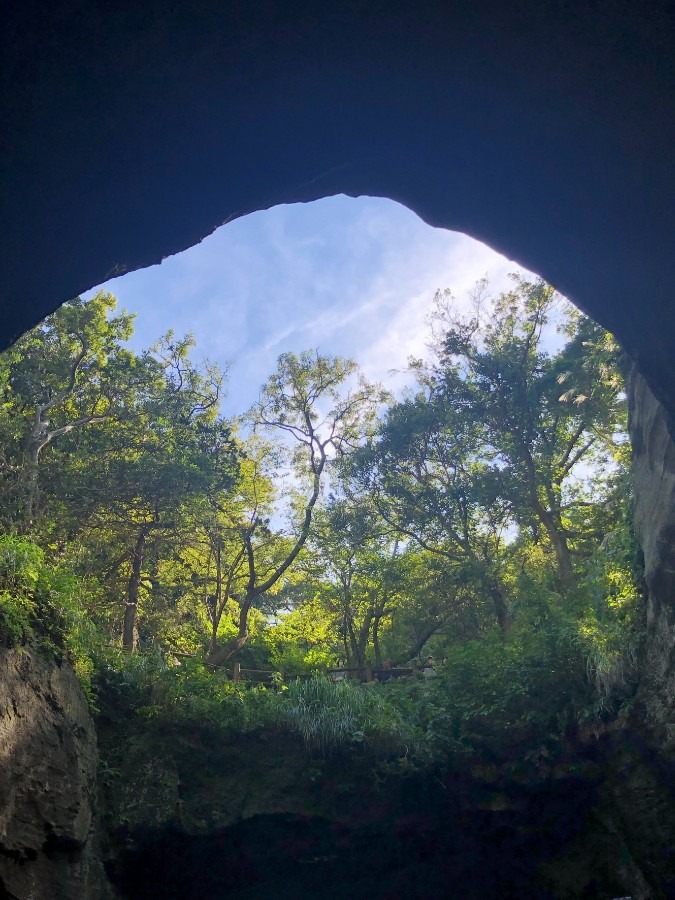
{"x": 362, "y": 673}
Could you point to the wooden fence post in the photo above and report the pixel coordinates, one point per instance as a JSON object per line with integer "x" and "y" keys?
{"x": 236, "y": 672}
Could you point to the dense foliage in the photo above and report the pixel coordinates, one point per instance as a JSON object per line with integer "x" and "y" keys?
{"x": 482, "y": 519}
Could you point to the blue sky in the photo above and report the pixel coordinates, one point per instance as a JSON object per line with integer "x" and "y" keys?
{"x": 349, "y": 277}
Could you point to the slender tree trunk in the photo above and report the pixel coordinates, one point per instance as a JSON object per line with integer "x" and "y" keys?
{"x": 354, "y": 655}
{"x": 242, "y": 634}
{"x": 547, "y": 519}
{"x": 417, "y": 646}
{"x": 560, "y": 548}
{"x": 363, "y": 638}
{"x": 216, "y": 607}
{"x": 213, "y": 639}
{"x": 32, "y": 482}
{"x": 376, "y": 642}
{"x": 40, "y": 436}
{"x": 129, "y": 635}
{"x": 564, "y": 559}
{"x": 32, "y": 490}
{"x": 253, "y": 590}
{"x": 501, "y": 611}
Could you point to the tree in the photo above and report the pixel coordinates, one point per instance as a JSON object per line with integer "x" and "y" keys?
{"x": 69, "y": 373}
{"x": 367, "y": 595}
{"x": 169, "y": 449}
{"x": 544, "y": 414}
{"x": 352, "y": 565}
{"x": 425, "y": 476}
{"x": 309, "y": 401}
{"x": 223, "y": 528}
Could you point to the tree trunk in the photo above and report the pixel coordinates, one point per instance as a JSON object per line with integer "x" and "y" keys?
{"x": 501, "y": 611}
{"x": 32, "y": 486}
{"x": 560, "y": 548}
{"x": 356, "y": 656}
{"x": 417, "y": 646}
{"x": 548, "y": 519}
{"x": 557, "y": 538}
{"x": 129, "y": 635}
{"x": 30, "y": 509}
{"x": 213, "y": 640}
{"x": 218, "y": 656}
{"x": 376, "y": 642}
{"x": 216, "y": 609}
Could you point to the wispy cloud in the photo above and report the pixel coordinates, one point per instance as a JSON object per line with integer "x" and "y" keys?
{"x": 354, "y": 277}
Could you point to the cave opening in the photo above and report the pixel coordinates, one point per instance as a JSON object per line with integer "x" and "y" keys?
{"x": 353, "y": 276}
{"x": 357, "y": 278}
{"x": 543, "y": 128}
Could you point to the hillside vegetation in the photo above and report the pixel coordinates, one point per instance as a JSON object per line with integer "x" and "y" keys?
{"x": 472, "y": 536}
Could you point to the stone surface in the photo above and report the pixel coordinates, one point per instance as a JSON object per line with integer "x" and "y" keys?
{"x": 48, "y": 760}
{"x": 637, "y": 806}
{"x": 654, "y": 516}
{"x": 193, "y": 813}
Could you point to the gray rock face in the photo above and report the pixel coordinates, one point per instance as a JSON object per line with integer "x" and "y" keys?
{"x": 654, "y": 480}
{"x": 48, "y": 759}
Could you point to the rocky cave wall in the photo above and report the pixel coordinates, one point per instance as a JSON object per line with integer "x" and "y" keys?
{"x": 654, "y": 519}
{"x": 48, "y": 769}
{"x": 193, "y": 811}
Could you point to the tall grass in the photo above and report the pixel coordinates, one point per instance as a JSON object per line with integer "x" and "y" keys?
{"x": 331, "y": 715}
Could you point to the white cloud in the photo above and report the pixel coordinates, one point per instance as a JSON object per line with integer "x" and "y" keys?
{"x": 353, "y": 277}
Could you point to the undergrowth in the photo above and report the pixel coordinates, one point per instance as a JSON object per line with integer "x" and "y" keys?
{"x": 489, "y": 697}
{"x": 44, "y": 605}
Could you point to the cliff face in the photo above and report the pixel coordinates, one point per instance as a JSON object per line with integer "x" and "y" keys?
{"x": 193, "y": 812}
{"x": 654, "y": 486}
{"x": 48, "y": 760}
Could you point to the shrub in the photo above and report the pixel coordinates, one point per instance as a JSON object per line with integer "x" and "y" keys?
{"x": 503, "y": 691}
{"x": 21, "y": 565}
{"x": 45, "y": 604}
{"x": 189, "y": 693}
{"x": 611, "y": 623}
{"x": 15, "y": 618}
